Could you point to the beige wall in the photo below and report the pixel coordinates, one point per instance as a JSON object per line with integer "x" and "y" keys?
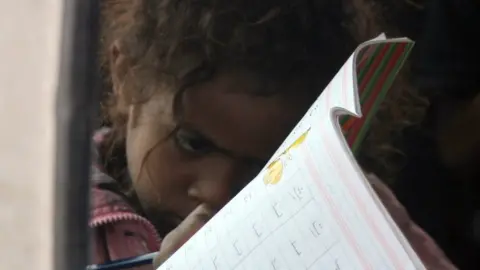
{"x": 29, "y": 42}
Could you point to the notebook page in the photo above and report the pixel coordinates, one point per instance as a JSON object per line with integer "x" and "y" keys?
{"x": 310, "y": 207}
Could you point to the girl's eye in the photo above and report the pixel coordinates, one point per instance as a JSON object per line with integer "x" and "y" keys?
{"x": 193, "y": 143}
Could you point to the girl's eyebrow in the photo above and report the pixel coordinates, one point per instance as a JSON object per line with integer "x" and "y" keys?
{"x": 190, "y": 128}
{"x": 224, "y": 151}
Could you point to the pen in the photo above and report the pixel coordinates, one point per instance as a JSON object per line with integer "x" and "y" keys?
{"x": 125, "y": 263}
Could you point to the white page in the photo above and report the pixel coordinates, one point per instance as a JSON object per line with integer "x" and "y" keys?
{"x": 321, "y": 213}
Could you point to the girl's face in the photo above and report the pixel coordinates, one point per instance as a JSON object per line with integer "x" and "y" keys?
{"x": 227, "y": 134}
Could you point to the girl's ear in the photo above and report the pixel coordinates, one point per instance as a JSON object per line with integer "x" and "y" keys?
{"x": 118, "y": 65}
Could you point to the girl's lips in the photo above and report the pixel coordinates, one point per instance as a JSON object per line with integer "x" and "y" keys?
{"x": 173, "y": 220}
{"x": 168, "y": 223}
{"x": 176, "y": 220}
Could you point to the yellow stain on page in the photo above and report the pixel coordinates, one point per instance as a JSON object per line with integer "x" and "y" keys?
{"x": 275, "y": 168}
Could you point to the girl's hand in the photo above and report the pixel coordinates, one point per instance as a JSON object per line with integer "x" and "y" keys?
{"x": 430, "y": 254}
{"x": 176, "y": 238}
{"x": 426, "y": 248}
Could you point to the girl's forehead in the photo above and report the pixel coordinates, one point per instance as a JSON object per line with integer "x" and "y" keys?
{"x": 226, "y": 111}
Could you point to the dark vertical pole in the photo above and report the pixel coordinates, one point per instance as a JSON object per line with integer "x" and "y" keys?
{"x": 76, "y": 105}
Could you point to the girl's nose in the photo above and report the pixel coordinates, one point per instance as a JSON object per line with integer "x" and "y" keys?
{"x": 217, "y": 181}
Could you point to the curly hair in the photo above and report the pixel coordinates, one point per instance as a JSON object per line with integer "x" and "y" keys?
{"x": 178, "y": 43}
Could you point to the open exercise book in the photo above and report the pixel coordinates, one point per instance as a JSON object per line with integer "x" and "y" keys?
{"x": 311, "y": 207}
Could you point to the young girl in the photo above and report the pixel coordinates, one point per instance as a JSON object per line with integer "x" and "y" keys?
{"x": 202, "y": 93}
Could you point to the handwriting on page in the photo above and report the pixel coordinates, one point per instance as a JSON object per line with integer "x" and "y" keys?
{"x": 310, "y": 207}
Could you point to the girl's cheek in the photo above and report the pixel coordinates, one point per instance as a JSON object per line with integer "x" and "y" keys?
{"x": 164, "y": 169}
